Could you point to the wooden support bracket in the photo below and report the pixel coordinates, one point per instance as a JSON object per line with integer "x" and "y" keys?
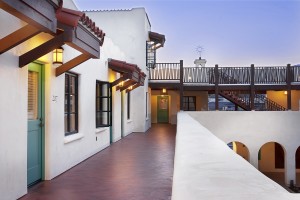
{"x": 71, "y": 64}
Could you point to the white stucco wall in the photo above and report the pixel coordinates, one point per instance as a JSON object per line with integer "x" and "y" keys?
{"x": 129, "y": 30}
{"x": 61, "y": 153}
{"x": 255, "y": 129}
{"x": 205, "y": 168}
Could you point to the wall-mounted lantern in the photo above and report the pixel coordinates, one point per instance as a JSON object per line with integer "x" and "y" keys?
{"x": 58, "y": 55}
{"x": 164, "y": 91}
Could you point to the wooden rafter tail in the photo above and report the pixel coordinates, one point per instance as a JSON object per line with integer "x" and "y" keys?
{"x": 71, "y": 64}
{"x": 17, "y": 37}
{"x": 119, "y": 80}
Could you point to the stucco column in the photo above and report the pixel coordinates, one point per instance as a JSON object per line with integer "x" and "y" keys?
{"x": 290, "y": 167}
{"x": 253, "y": 157}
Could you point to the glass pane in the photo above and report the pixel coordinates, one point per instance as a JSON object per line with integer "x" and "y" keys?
{"x": 66, "y": 123}
{"x": 73, "y": 122}
{"x": 104, "y": 104}
{"x": 72, "y": 84}
{"x": 97, "y": 104}
{"x": 97, "y": 89}
{"x": 72, "y": 103}
{"x": 101, "y": 118}
{"x": 66, "y": 103}
{"x": 32, "y": 112}
{"x": 104, "y": 90}
{"x": 66, "y": 83}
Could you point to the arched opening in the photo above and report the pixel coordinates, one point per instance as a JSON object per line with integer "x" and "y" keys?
{"x": 271, "y": 162}
{"x": 297, "y": 158}
{"x": 240, "y": 149}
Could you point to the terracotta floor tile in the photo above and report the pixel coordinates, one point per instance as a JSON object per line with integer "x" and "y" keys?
{"x": 138, "y": 167}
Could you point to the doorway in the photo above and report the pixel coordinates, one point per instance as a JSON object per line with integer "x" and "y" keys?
{"x": 35, "y": 116}
{"x": 162, "y": 109}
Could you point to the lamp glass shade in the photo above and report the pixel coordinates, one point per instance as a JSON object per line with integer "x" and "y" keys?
{"x": 58, "y": 56}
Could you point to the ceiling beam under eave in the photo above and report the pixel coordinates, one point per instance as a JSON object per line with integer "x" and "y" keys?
{"x": 17, "y": 37}
{"x": 71, "y": 64}
{"x": 41, "y": 50}
{"x": 126, "y": 85}
{"x": 119, "y": 80}
{"x": 133, "y": 87}
{"x": 40, "y": 14}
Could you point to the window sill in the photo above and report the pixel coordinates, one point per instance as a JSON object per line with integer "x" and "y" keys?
{"x": 100, "y": 130}
{"x": 71, "y": 138}
{"x": 129, "y": 121}
{"x": 147, "y": 118}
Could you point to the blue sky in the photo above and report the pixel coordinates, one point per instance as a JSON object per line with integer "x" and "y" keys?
{"x": 232, "y": 32}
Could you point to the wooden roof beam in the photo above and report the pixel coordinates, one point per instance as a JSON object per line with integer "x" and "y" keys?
{"x": 41, "y": 50}
{"x": 40, "y": 14}
{"x": 71, "y": 64}
{"x": 17, "y": 37}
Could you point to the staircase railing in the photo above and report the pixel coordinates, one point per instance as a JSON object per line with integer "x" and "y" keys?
{"x": 262, "y": 103}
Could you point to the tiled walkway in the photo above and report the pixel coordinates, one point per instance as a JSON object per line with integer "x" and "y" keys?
{"x": 138, "y": 167}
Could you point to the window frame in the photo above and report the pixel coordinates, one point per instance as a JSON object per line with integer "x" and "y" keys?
{"x": 186, "y": 101}
{"x": 128, "y": 105}
{"x": 68, "y": 101}
{"x": 150, "y": 54}
{"x": 99, "y": 109}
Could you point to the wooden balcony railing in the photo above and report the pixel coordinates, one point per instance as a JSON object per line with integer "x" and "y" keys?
{"x": 226, "y": 75}
{"x": 165, "y": 71}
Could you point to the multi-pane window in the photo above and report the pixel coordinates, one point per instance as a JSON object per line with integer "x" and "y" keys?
{"x": 151, "y": 54}
{"x": 103, "y": 104}
{"x": 128, "y": 105}
{"x": 71, "y": 103}
{"x": 189, "y": 103}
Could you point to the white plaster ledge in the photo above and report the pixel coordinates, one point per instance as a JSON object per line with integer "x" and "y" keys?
{"x": 129, "y": 121}
{"x": 100, "y": 130}
{"x": 71, "y": 138}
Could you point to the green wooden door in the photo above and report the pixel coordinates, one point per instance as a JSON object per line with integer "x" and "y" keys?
{"x": 162, "y": 109}
{"x": 35, "y": 124}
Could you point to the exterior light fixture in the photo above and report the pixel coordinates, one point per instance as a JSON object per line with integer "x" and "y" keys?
{"x": 285, "y": 92}
{"x": 164, "y": 90}
{"x": 58, "y": 55}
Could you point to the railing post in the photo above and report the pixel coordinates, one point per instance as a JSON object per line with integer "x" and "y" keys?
{"x": 181, "y": 85}
{"x": 288, "y": 84}
{"x": 216, "y": 87}
{"x": 252, "y": 89}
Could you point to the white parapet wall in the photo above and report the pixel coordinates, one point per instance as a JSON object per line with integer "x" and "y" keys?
{"x": 205, "y": 168}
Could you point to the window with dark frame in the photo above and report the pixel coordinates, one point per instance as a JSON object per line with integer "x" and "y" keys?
{"x": 146, "y": 105}
{"x": 71, "y": 103}
{"x": 128, "y": 105}
{"x": 189, "y": 103}
{"x": 103, "y": 104}
{"x": 150, "y": 54}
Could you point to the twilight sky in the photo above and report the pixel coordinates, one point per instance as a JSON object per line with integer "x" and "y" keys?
{"x": 232, "y": 32}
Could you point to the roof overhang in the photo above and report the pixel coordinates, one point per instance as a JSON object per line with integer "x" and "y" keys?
{"x": 131, "y": 75}
{"x": 75, "y": 30}
{"x": 67, "y": 26}
{"x": 158, "y": 40}
{"x": 39, "y": 16}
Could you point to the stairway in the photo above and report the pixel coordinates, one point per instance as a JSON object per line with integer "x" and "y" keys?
{"x": 261, "y": 103}
{"x": 233, "y": 97}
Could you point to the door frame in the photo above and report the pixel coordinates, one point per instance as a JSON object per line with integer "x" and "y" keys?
{"x": 42, "y": 65}
{"x": 168, "y": 108}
